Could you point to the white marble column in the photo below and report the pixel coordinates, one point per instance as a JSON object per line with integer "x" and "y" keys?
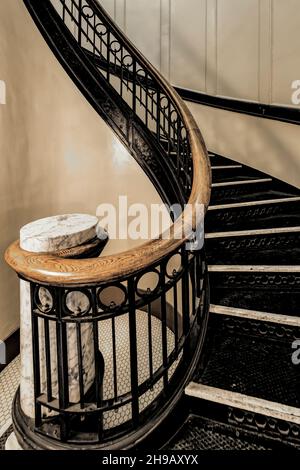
{"x": 48, "y": 235}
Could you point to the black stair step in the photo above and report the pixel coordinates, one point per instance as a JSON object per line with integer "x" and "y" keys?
{"x": 270, "y": 189}
{"x": 251, "y": 365}
{"x": 274, "y": 292}
{"x": 276, "y": 301}
{"x": 259, "y": 429}
{"x": 261, "y": 249}
{"x": 219, "y": 160}
{"x": 264, "y": 215}
{"x": 199, "y": 433}
{"x": 240, "y": 173}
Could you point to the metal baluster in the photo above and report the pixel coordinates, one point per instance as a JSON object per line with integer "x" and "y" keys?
{"x": 150, "y": 341}
{"x": 169, "y": 128}
{"x": 185, "y": 292}
{"x": 64, "y": 10}
{"x": 152, "y": 105}
{"x": 198, "y": 274}
{"x": 193, "y": 285}
{"x": 121, "y": 72}
{"x": 178, "y": 161}
{"x": 108, "y": 56}
{"x": 113, "y": 325}
{"x": 94, "y": 37}
{"x": 134, "y": 87}
{"x": 99, "y": 368}
{"x": 146, "y": 104}
{"x": 133, "y": 353}
{"x": 80, "y": 21}
{"x": 158, "y": 116}
{"x": 164, "y": 325}
{"x": 175, "y": 310}
{"x": 62, "y": 365}
{"x": 72, "y": 11}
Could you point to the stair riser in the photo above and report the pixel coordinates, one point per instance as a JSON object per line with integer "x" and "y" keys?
{"x": 219, "y": 160}
{"x": 266, "y": 292}
{"x": 276, "y": 249}
{"x": 234, "y": 174}
{"x": 250, "y": 192}
{"x": 263, "y": 428}
{"x": 229, "y": 325}
{"x": 254, "y": 217}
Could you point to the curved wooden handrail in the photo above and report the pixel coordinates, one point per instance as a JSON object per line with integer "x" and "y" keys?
{"x": 48, "y": 268}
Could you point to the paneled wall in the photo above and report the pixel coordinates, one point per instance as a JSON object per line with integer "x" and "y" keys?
{"x": 244, "y": 49}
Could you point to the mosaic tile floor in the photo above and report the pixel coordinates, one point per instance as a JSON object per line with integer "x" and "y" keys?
{"x": 9, "y": 381}
{"x": 5, "y": 436}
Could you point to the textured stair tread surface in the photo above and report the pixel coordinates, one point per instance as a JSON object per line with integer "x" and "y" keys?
{"x": 220, "y": 175}
{"x": 261, "y": 297}
{"x": 216, "y": 159}
{"x": 257, "y": 249}
{"x": 269, "y": 189}
{"x": 202, "y": 434}
{"x": 259, "y": 216}
{"x": 253, "y": 366}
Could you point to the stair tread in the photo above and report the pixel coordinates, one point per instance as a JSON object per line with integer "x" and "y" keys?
{"x": 256, "y": 315}
{"x": 257, "y": 367}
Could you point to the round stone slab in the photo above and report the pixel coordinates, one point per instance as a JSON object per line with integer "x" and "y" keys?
{"x": 59, "y": 232}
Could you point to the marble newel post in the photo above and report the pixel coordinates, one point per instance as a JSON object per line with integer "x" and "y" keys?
{"x": 43, "y": 236}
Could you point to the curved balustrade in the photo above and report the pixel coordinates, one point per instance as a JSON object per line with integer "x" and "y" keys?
{"x": 145, "y": 308}
{"x": 146, "y": 331}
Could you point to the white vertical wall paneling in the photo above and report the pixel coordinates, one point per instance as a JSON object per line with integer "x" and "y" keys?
{"x": 109, "y": 6}
{"x": 165, "y": 24}
{"x": 211, "y": 47}
{"x": 120, "y": 13}
{"x": 286, "y": 49}
{"x": 188, "y": 43}
{"x": 237, "y": 49}
{"x": 245, "y": 49}
{"x": 265, "y": 51}
{"x": 143, "y": 26}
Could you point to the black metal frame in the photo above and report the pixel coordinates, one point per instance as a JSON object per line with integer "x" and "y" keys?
{"x": 88, "y": 414}
{"x": 131, "y": 108}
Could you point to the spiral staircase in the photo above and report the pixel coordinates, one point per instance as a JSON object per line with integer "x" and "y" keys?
{"x": 236, "y": 386}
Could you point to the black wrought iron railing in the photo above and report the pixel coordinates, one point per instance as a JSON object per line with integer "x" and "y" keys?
{"x": 134, "y": 81}
{"x": 120, "y": 65}
{"x": 115, "y": 339}
{"x": 107, "y": 355}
